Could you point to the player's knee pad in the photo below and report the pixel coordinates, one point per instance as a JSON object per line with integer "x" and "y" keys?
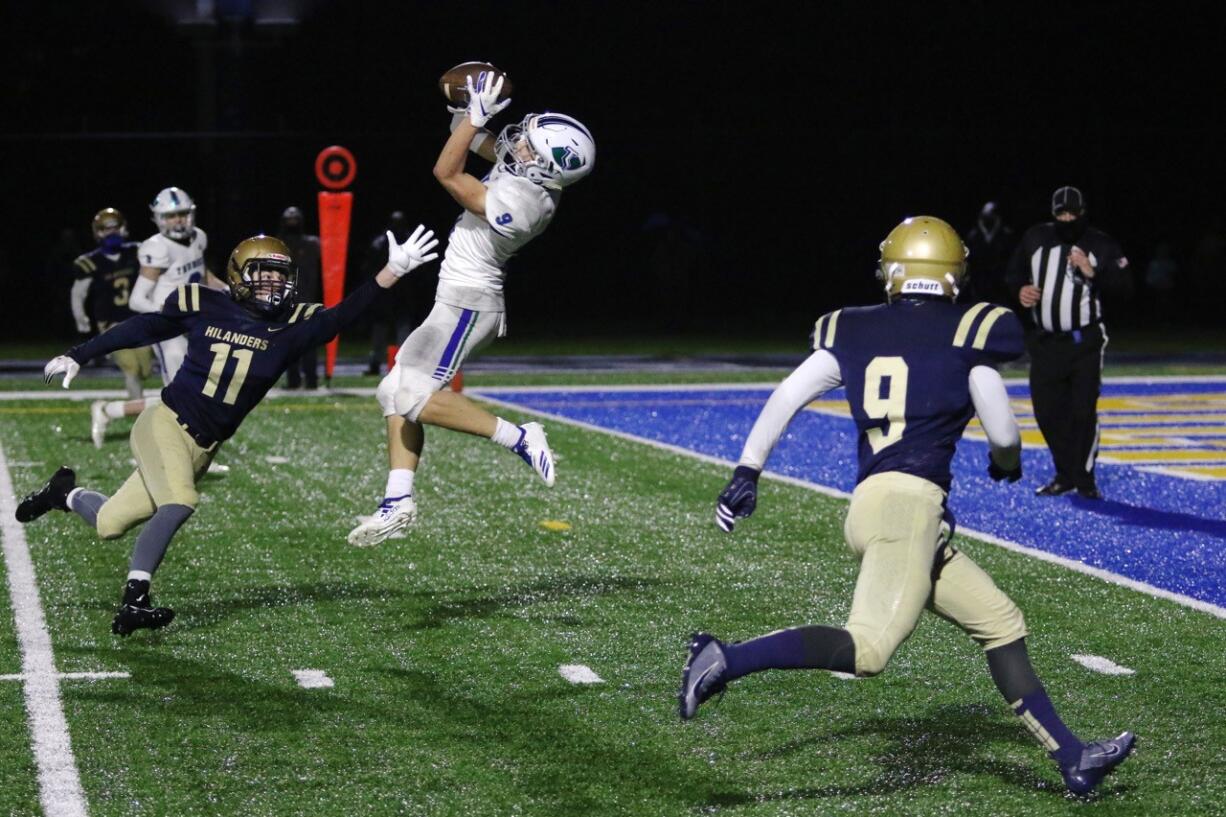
{"x": 386, "y": 391}
{"x": 411, "y": 401}
{"x": 1007, "y": 626}
{"x": 872, "y": 653}
{"x": 110, "y": 525}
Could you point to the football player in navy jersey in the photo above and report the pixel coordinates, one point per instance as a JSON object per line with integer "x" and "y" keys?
{"x": 916, "y": 369}
{"x": 238, "y": 346}
{"x": 105, "y": 277}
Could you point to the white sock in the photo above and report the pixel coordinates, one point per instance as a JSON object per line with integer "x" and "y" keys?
{"x": 113, "y": 409}
{"x": 506, "y": 434}
{"x": 399, "y": 482}
{"x": 140, "y": 575}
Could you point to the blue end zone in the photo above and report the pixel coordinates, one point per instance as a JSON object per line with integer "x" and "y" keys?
{"x": 1165, "y": 531}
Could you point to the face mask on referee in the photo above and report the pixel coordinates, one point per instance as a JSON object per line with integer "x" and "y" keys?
{"x": 1070, "y": 232}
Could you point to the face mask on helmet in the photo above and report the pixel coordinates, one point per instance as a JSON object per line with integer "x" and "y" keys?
{"x": 174, "y": 213}
{"x": 110, "y": 229}
{"x": 271, "y": 284}
{"x": 263, "y": 277}
{"x": 552, "y": 150}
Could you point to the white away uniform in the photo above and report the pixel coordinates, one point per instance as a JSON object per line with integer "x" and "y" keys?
{"x": 469, "y": 309}
{"x": 180, "y": 264}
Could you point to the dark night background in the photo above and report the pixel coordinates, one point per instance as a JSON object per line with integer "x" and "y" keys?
{"x": 751, "y": 156}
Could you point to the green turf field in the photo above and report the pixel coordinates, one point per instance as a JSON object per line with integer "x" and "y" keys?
{"x": 445, "y": 647}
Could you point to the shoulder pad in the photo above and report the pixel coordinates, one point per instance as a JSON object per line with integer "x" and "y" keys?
{"x": 824, "y": 330}
{"x": 304, "y": 312}
{"x": 975, "y": 329}
{"x": 187, "y": 298}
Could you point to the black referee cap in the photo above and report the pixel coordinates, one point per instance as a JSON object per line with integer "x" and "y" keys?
{"x": 1068, "y": 199}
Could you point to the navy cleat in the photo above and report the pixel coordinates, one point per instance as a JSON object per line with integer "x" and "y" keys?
{"x": 703, "y": 674}
{"x": 1097, "y": 761}
{"x": 52, "y": 496}
{"x": 137, "y": 611}
{"x": 1057, "y": 487}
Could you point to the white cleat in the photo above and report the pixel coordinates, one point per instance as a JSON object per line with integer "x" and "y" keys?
{"x": 98, "y": 422}
{"x": 533, "y": 448}
{"x": 217, "y": 469}
{"x": 393, "y": 516}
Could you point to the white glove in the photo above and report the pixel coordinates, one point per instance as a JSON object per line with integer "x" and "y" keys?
{"x": 483, "y": 104}
{"x": 64, "y": 365}
{"x": 404, "y": 258}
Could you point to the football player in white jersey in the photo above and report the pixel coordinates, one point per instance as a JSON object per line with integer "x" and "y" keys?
{"x": 173, "y": 256}
{"x": 533, "y": 161}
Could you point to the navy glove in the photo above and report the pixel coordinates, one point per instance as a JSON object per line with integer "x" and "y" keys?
{"x": 738, "y": 499}
{"x": 997, "y": 473}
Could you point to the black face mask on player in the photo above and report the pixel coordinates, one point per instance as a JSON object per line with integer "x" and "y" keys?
{"x": 1070, "y": 232}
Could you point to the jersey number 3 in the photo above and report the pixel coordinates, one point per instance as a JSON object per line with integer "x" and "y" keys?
{"x": 891, "y": 407}
{"x": 221, "y": 354}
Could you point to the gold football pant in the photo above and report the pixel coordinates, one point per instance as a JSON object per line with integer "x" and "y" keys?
{"x": 894, "y": 526}
{"x": 137, "y": 363}
{"x": 168, "y": 463}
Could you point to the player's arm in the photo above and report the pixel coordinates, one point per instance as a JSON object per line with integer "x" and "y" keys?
{"x": 817, "y": 375}
{"x": 80, "y": 290}
{"x": 482, "y": 143}
{"x": 137, "y": 331}
{"x": 483, "y": 104}
{"x": 991, "y": 401}
{"x": 401, "y": 260}
{"x": 141, "y": 299}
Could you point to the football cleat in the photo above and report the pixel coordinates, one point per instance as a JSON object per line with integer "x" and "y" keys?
{"x": 1089, "y": 492}
{"x": 98, "y": 422}
{"x": 394, "y": 515}
{"x": 533, "y": 448}
{"x": 137, "y": 611}
{"x": 1057, "y": 487}
{"x": 53, "y": 495}
{"x": 1097, "y": 761}
{"x": 703, "y": 673}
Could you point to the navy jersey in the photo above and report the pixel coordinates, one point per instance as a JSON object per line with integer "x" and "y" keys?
{"x": 111, "y": 281}
{"x": 906, "y": 367}
{"x": 233, "y": 356}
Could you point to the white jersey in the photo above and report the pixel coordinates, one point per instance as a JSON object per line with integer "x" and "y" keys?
{"x": 181, "y": 263}
{"x": 516, "y": 211}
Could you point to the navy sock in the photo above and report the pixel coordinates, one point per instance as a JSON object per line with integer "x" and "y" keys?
{"x": 1039, "y": 716}
{"x": 812, "y": 647}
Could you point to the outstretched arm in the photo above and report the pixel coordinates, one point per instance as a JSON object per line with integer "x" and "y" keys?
{"x": 483, "y": 104}
{"x": 401, "y": 260}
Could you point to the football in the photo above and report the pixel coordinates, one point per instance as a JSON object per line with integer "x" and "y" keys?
{"x": 454, "y": 82}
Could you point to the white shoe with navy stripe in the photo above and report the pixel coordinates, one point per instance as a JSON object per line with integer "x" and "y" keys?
{"x": 533, "y": 448}
{"x": 394, "y": 515}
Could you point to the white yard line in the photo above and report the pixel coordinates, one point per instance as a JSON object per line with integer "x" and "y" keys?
{"x": 1071, "y": 564}
{"x": 1104, "y": 665}
{"x": 75, "y": 676}
{"x": 579, "y": 674}
{"x": 59, "y": 782}
{"x": 312, "y": 678}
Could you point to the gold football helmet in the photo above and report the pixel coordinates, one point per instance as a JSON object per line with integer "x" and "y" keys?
{"x": 922, "y": 256}
{"x": 262, "y": 275}
{"x": 109, "y": 220}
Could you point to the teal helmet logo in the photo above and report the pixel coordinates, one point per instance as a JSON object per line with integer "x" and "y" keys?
{"x": 567, "y": 159}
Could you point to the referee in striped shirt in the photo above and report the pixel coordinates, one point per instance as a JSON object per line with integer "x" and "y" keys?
{"x": 1058, "y": 272}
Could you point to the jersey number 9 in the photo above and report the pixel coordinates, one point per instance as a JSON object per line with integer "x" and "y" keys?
{"x": 893, "y": 406}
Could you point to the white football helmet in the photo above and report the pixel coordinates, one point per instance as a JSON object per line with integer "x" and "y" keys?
{"x": 173, "y": 201}
{"x": 551, "y": 149}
